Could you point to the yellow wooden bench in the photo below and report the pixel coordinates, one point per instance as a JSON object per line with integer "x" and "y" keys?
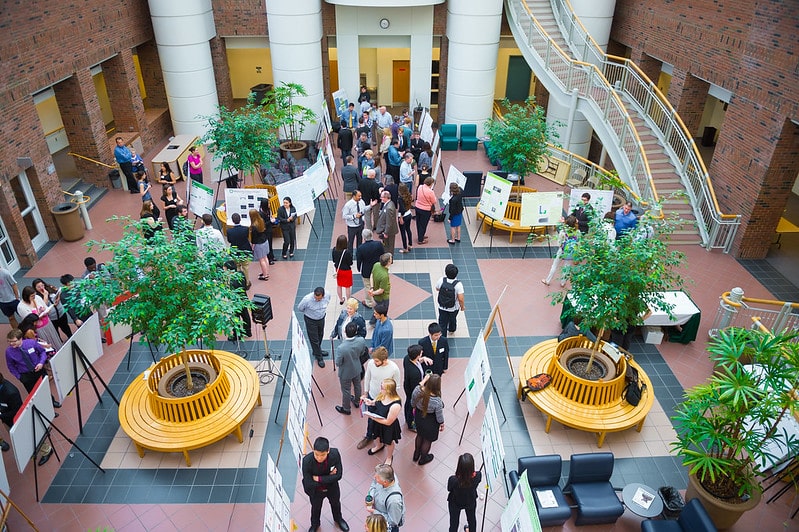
{"x": 513, "y": 215}
{"x": 591, "y": 406}
{"x": 143, "y": 421}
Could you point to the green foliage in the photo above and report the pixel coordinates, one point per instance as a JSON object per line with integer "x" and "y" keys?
{"x": 519, "y": 139}
{"x": 727, "y": 426}
{"x": 615, "y": 283}
{"x": 291, "y": 116}
{"x": 180, "y": 297}
{"x": 246, "y": 137}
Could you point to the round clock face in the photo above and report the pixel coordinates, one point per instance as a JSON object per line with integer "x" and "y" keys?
{"x": 384, "y": 23}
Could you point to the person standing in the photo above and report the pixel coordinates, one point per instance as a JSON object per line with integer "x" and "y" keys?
{"x": 238, "y": 238}
{"x": 269, "y": 222}
{"x": 195, "y": 161}
{"x": 321, "y": 473}
{"x": 342, "y": 261}
{"x": 287, "y": 216}
{"x": 393, "y": 158}
{"x": 462, "y": 487}
{"x": 625, "y": 220}
{"x": 455, "y": 213}
{"x": 259, "y": 236}
{"x": 367, "y": 256}
{"x": 353, "y": 212}
{"x": 583, "y": 212}
{"x": 413, "y": 372}
{"x": 386, "y": 408}
{"x": 567, "y": 238}
{"x": 407, "y": 172}
{"x": 209, "y": 236}
{"x": 370, "y": 191}
{"x": 58, "y": 315}
{"x": 9, "y": 296}
{"x": 381, "y": 282}
{"x": 26, "y": 359}
{"x": 124, "y": 159}
{"x": 429, "y": 416}
{"x": 314, "y": 307}
{"x": 436, "y": 348}
{"x": 349, "y": 314}
{"x": 171, "y": 200}
{"x": 450, "y": 299}
{"x": 426, "y": 202}
{"x": 387, "y": 226}
{"x": 348, "y": 361}
{"x": 32, "y": 303}
{"x": 387, "y": 497}
{"x": 350, "y": 177}
{"x": 383, "y": 335}
{"x": 378, "y": 369}
{"x": 345, "y": 141}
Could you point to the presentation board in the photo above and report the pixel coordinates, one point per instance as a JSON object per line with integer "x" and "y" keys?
{"x": 330, "y": 157}
{"x": 426, "y": 127}
{"x": 520, "y": 513}
{"x": 494, "y": 199}
{"x": 453, "y": 176}
{"x": 300, "y": 353}
{"x": 277, "y": 511}
{"x": 300, "y": 191}
{"x": 29, "y": 429}
{"x": 541, "y": 208}
{"x": 477, "y": 373}
{"x": 316, "y": 178}
{"x": 241, "y": 200}
{"x": 326, "y": 117}
{"x": 601, "y": 200}
{"x": 436, "y": 162}
{"x": 492, "y": 446}
{"x": 201, "y": 198}
{"x": 434, "y": 144}
{"x": 87, "y": 337}
{"x": 341, "y": 102}
{"x": 298, "y": 407}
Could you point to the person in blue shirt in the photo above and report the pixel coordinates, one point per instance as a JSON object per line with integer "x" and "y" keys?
{"x": 124, "y": 158}
{"x": 350, "y": 117}
{"x": 625, "y": 220}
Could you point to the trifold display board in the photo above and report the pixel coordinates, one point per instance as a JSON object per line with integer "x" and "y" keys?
{"x": 29, "y": 429}
{"x": 241, "y": 200}
{"x": 541, "y": 208}
{"x": 87, "y": 337}
{"x": 494, "y": 199}
{"x": 453, "y": 176}
{"x": 305, "y": 189}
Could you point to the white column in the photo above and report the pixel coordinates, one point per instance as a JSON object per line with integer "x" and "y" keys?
{"x": 574, "y": 130}
{"x": 295, "y": 42}
{"x": 473, "y": 33}
{"x": 597, "y": 17}
{"x": 348, "y": 49}
{"x": 421, "y": 56}
{"x": 182, "y": 31}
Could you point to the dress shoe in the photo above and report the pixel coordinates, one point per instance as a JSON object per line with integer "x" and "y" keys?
{"x": 320, "y": 362}
{"x": 4, "y": 445}
{"x": 313, "y": 528}
{"x": 43, "y": 460}
{"x": 355, "y": 402}
{"x": 363, "y": 443}
{"x": 341, "y": 410}
{"x": 426, "y": 459}
{"x": 342, "y": 524}
{"x": 325, "y": 353}
{"x": 56, "y": 404}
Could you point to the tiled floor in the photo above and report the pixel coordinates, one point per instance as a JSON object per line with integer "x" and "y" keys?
{"x": 159, "y": 492}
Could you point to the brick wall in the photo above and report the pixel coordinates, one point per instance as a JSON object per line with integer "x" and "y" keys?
{"x": 122, "y": 85}
{"x": 240, "y": 17}
{"x": 687, "y": 95}
{"x": 224, "y": 88}
{"x": 750, "y": 49}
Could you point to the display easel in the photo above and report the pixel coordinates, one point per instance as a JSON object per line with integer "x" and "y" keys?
{"x": 6, "y": 507}
{"x": 489, "y": 326}
{"x": 266, "y": 369}
{"x": 485, "y": 498}
{"x": 313, "y": 398}
{"x": 130, "y": 347}
{"x": 531, "y": 236}
{"x": 465, "y": 421}
{"x": 78, "y": 355}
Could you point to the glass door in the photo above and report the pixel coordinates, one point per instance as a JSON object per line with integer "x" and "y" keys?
{"x": 29, "y": 210}
{"x": 8, "y": 257}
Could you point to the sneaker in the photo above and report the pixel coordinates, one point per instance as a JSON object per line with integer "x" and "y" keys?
{"x": 43, "y": 460}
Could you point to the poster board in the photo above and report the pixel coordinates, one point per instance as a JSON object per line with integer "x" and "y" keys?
{"x": 436, "y": 162}
{"x": 330, "y": 158}
{"x": 520, "y": 514}
{"x": 326, "y": 117}
{"x": 476, "y": 374}
{"x": 426, "y": 127}
{"x": 300, "y": 353}
{"x": 541, "y": 208}
{"x": 494, "y": 199}
{"x": 87, "y": 337}
{"x": 29, "y": 430}
{"x": 201, "y": 198}
{"x": 492, "y": 446}
{"x": 453, "y": 176}
{"x": 340, "y": 101}
{"x": 277, "y": 511}
{"x": 301, "y": 194}
{"x": 601, "y": 200}
{"x": 295, "y": 423}
{"x": 434, "y": 144}
{"x": 316, "y": 179}
{"x": 176, "y": 152}
{"x": 241, "y": 200}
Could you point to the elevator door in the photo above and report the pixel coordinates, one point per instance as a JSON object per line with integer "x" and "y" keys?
{"x": 519, "y": 76}
{"x": 402, "y": 83}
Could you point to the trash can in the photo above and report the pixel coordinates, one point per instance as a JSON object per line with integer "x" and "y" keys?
{"x": 116, "y": 181}
{"x": 673, "y": 502}
{"x": 67, "y": 218}
{"x": 260, "y": 91}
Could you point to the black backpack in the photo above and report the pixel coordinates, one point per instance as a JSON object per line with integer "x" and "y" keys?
{"x": 634, "y": 389}
{"x": 446, "y": 294}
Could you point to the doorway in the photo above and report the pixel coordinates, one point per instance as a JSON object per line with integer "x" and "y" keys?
{"x": 401, "y": 86}
{"x": 517, "y": 88}
{"x": 8, "y": 257}
{"x": 29, "y": 210}
{"x": 333, "y": 77}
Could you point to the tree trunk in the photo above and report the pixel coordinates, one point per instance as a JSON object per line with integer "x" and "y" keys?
{"x": 594, "y": 349}
{"x": 189, "y": 383}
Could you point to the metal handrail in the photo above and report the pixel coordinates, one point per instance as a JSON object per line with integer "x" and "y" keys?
{"x": 753, "y": 300}
{"x": 91, "y": 160}
{"x": 718, "y": 228}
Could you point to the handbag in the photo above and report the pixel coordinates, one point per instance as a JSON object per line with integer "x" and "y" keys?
{"x": 335, "y": 273}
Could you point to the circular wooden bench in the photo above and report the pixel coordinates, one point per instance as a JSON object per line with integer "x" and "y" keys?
{"x": 591, "y": 406}
{"x": 148, "y": 430}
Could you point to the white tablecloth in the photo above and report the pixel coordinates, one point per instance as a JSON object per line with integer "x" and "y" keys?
{"x": 683, "y": 309}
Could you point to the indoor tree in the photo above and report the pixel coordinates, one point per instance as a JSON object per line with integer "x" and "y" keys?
{"x": 519, "y": 137}
{"x": 179, "y": 296}
{"x": 280, "y": 103}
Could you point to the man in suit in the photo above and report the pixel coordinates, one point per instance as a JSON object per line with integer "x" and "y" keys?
{"x": 239, "y": 237}
{"x": 436, "y": 348}
{"x": 348, "y": 360}
{"x": 350, "y": 176}
{"x": 345, "y": 141}
{"x": 321, "y": 473}
{"x": 370, "y": 190}
{"x": 387, "y": 227}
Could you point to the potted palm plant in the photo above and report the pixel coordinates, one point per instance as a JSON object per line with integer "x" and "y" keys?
{"x": 291, "y": 117}
{"x": 729, "y": 429}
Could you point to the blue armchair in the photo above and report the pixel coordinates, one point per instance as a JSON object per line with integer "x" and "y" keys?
{"x": 543, "y": 473}
{"x": 694, "y": 518}
{"x": 448, "y": 134}
{"x": 469, "y": 137}
{"x": 589, "y": 485}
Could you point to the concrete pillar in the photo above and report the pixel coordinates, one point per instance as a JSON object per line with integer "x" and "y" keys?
{"x": 295, "y": 42}
{"x": 573, "y": 129}
{"x": 597, "y": 17}
{"x": 688, "y": 95}
{"x": 152, "y": 75}
{"x": 473, "y": 31}
{"x": 122, "y": 84}
{"x": 182, "y": 31}
{"x": 84, "y": 126}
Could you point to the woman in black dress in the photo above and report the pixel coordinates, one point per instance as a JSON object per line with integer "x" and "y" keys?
{"x": 413, "y": 369}
{"x": 287, "y": 216}
{"x": 387, "y": 406}
{"x": 462, "y": 487}
{"x": 171, "y": 200}
{"x": 429, "y": 416}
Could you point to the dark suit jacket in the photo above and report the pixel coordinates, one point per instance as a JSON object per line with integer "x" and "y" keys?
{"x": 309, "y": 485}
{"x": 350, "y": 177}
{"x": 370, "y": 189}
{"x": 387, "y": 220}
{"x": 238, "y": 236}
{"x": 368, "y": 254}
{"x": 440, "y": 357}
{"x": 348, "y": 357}
{"x": 411, "y": 376}
{"x": 345, "y": 140}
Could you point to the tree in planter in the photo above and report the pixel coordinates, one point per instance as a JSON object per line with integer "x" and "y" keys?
{"x": 179, "y": 297}
{"x": 280, "y": 103}
{"x": 614, "y": 283}
{"x": 519, "y": 139}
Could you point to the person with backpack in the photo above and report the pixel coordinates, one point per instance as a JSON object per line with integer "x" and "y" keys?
{"x": 450, "y": 299}
{"x": 386, "y": 497}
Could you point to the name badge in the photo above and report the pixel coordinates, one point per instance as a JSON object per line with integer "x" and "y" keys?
{"x": 31, "y": 351}
{"x": 442, "y": 349}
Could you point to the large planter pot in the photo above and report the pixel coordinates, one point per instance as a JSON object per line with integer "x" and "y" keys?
{"x": 723, "y": 514}
{"x": 298, "y": 149}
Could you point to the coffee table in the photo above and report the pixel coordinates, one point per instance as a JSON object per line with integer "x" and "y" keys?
{"x": 642, "y": 500}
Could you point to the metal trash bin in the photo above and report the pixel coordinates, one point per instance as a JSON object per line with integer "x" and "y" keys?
{"x": 67, "y": 218}
{"x": 673, "y": 502}
{"x": 116, "y": 180}
{"x": 260, "y": 91}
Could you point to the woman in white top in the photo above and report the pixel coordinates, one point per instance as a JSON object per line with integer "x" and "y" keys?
{"x": 32, "y": 303}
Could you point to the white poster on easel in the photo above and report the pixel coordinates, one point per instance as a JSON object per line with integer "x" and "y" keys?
{"x": 201, "y": 198}
{"x": 494, "y": 199}
{"x": 453, "y": 176}
{"x": 477, "y": 373}
{"x": 601, "y": 200}
{"x": 340, "y": 101}
{"x": 326, "y": 117}
{"x": 426, "y": 127}
{"x": 434, "y": 144}
{"x": 316, "y": 178}
{"x": 492, "y": 446}
{"x": 64, "y": 366}
{"x": 541, "y": 208}
{"x": 295, "y": 421}
{"x": 29, "y": 428}
{"x": 330, "y": 158}
{"x": 300, "y": 193}
{"x": 277, "y": 517}
{"x": 520, "y": 513}
{"x": 436, "y": 162}
{"x": 300, "y": 354}
{"x": 241, "y": 201}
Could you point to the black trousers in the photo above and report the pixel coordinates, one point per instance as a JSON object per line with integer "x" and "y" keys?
{"x": 29, "y": 378}
{"x": 127, "y": 169}
{"x": 455, "y": 514}
{"x": 422, "y": 219}
{"x": 316, "y": 332}
{"x": 289, "y": 237}
{"x": 448, "y": 321}
{"x": 333, "y": 495}
{"x": 354, "y": 236}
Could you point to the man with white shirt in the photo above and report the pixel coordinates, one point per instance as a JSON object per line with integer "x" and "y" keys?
{"x": 352, "y": 213}
{"x": 208, "y": 236}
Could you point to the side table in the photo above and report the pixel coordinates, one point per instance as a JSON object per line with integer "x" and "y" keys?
{"x": 642, "y": 500}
